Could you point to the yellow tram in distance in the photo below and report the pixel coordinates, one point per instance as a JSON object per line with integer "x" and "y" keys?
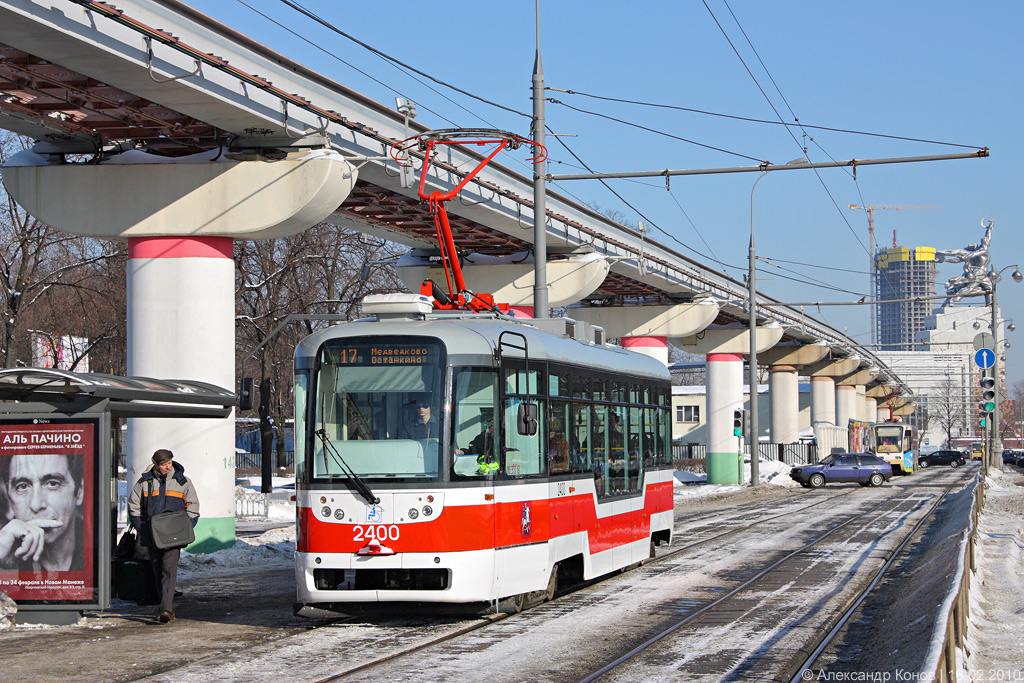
{"x": 894, "y": 443}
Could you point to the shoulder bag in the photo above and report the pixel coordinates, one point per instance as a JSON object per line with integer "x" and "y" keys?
{"x": 171, "y": 529}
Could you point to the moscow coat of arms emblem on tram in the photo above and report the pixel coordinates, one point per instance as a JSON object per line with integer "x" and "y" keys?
{"x": 527, "y": 524}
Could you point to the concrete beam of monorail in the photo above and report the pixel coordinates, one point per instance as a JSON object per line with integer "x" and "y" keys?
{"x": 225, "y": 198}
{"x": 677, "y": 320}
{"x": 512, "y": 283}
{"x": 729, "y": 340}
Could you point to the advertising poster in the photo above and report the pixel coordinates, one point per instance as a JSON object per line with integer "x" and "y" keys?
{"x": 48, "y": 511}
{"x": 860, "y": 437}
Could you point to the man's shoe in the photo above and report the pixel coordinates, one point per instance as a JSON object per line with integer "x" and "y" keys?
{"x": 165, "y": 617}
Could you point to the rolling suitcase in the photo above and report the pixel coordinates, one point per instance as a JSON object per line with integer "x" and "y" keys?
{"x": 134, "y": 580}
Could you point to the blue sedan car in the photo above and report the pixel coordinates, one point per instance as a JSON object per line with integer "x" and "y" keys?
{"x": 863, "y": 468}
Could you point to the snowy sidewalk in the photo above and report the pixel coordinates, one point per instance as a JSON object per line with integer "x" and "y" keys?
{"x": 995, "y": 632}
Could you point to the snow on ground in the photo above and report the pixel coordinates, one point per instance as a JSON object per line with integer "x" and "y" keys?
{"x": 276, "y": 546}
{"x": 690, "y": 485}
{"x": 995, "y": 632}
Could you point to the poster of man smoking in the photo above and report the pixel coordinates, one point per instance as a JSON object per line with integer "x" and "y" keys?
{"x": 47, "y": 511}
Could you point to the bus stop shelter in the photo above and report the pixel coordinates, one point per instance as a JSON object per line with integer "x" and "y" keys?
{"x": 65, "y": 427}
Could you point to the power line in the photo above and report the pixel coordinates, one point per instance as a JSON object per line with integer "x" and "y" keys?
{"x": 335, "y": 29}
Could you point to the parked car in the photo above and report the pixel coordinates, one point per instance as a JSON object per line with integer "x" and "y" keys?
{"x": 863, "y": 468}
{"x": 951, "y": 458}
{"x": 1012, "y": 456}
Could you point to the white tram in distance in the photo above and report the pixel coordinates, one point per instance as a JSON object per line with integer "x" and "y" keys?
{"x": 458, "y": 459}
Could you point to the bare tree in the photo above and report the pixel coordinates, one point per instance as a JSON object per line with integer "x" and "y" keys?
{"x": 946, "y": 406}
{"x": 54, "y": 286}
{"x": 691, "y": 369}
{"x": 317, "y": 271}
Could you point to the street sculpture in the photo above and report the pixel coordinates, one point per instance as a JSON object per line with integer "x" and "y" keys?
{"x": 977, "y": 277}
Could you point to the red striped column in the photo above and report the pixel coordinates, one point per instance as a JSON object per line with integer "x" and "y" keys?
{"x": 521, "y": 311}
{"x": 181, "y": 325}
{"x": 655, "y": 347}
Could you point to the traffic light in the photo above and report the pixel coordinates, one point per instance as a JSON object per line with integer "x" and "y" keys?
{"x": 988, "y": 398}
{"x": 739, "y": 423}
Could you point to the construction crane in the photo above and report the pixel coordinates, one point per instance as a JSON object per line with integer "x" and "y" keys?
{"x": 872, "y": 268}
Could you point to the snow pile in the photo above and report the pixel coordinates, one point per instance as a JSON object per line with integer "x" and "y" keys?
{"x": 690, "y": 485}
{"x": 994, "y": 636}
{"x": 276, "y": 546}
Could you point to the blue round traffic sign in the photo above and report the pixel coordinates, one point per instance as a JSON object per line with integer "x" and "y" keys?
{"x": 985, "y": 358}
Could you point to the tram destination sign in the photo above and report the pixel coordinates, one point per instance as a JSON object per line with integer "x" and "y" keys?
{"x": 364, "y": 355}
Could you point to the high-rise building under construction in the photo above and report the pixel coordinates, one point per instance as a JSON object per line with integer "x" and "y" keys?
{"x": 904, "y": 288}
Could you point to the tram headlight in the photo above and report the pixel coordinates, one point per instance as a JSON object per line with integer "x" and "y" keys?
{"x": 427, "y": 510}
{"x": 326, "y": 511}
{"x": 413, "y": 513}
{"x": 339, "y": 514}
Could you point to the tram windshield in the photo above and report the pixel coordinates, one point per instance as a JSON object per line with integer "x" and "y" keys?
{"x": 889, "y": 438}
{"x": 379, "y": 402}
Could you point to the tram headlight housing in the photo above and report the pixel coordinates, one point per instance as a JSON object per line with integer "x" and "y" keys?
{"x": 427, "y": 510}
{"x": 413, "y": 513}
{"x": 339, "y": 514}
{"x": 326, "y": 511}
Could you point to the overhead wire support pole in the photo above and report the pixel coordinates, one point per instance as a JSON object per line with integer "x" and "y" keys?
{"x": 540, "y": 210}
{"x": 981, "y": 153}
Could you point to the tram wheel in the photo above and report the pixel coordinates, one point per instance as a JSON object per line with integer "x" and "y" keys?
{"x": 513, "y": 604}
{"x": 549, "y": 592}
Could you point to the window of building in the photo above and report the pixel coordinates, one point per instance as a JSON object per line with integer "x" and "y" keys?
{"x": 687, "y": 413}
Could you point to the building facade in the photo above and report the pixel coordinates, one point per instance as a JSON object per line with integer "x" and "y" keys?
{"x": 903, "y": 274}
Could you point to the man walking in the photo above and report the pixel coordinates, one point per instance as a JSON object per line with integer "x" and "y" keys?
{"x": 162, "y": 487}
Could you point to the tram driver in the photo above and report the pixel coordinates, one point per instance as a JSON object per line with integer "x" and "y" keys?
{"x": 423, "y": 424}
{"x": 483, "y": 445}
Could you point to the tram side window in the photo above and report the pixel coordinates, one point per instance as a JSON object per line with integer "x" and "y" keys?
{"x": 663, "y": 438}
{"x": 598, "y": 445}
{"x": 558, "y": 437}
{"x": 579, "y": 437}
{"x": 522, "y": 452}
{"x": 473, "y": 424}
{"x": 635, "y": 429}
{"x": 618, "y": 453}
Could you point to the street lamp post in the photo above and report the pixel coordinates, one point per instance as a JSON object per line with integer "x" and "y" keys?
{"x": 755, "y": 470}
{"x": 995, "y": 451}
{"x": 755, "y": 474}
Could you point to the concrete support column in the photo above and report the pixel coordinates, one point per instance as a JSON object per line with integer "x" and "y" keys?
{"x": 846, "y": 405}
{"x": 724, "y": 395}
{"x": 784, "y": 403}
{"x": 823, "y": 400}
{"x": 181, "y": 313}
{"x": 655, "y": 347}
{"x": 870, "y": 409}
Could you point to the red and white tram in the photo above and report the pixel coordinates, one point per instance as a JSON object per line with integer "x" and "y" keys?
{"x": 466, "y": 459}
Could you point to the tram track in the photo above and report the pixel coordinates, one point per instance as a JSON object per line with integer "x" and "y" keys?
{"x": 801, "y": 661}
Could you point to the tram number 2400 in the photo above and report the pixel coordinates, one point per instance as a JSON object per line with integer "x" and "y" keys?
{"x": 363, "y": 534}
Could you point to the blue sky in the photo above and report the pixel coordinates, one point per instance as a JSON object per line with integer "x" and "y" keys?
{"x": 948, "y": 72}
